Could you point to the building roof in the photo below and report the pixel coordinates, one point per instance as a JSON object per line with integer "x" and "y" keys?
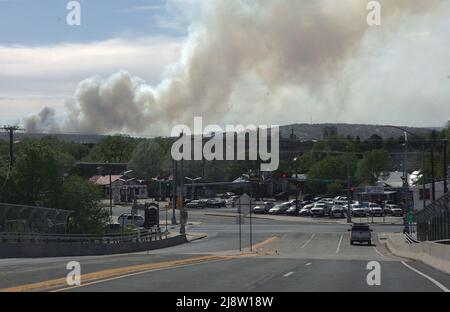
{"x": 391, "y": 179}
{"x": 104, "y": 180}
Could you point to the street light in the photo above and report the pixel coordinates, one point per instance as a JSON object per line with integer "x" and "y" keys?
{"x": 296, "y": 182}
{"x": 193, "y": 184}
{"x": 159, "y": 181}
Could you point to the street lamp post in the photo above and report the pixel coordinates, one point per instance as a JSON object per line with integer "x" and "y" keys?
{"x": 174, "y": 191}
{"x": 349, "y": 201}
{"x": 160, "y": 181}
{"x": 193, "y": 184}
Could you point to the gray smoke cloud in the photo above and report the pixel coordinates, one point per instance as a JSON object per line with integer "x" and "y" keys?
{"x": 284, "y": 43}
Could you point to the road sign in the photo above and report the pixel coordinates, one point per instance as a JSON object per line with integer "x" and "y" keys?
{"x": 243, "y": 204}
{"x": 410, "y": 217}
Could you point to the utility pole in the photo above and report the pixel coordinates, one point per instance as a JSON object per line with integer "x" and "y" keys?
{"x": 349, "y": 202}
{"x": 183, "y": 213}
{"x": 445, "y": 167}
{"x": 433, "y": 179}
{"x": 174, "y": 191}
{"x": 405, "y": 188}
{"x": 11, "y": 130}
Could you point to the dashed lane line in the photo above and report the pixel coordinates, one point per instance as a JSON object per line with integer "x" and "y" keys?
{"x": 339, "y": 245}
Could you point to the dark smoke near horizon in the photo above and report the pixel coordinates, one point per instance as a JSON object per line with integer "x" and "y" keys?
{"x": 283, "y": 42}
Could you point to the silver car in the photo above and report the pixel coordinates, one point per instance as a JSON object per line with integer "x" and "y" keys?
{"x": 129, "y": 219}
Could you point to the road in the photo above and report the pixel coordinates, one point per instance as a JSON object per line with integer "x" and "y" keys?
{"x": 290, "y": 256}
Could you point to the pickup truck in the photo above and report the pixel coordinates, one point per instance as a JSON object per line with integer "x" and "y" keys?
{"x": 361, "y": 233}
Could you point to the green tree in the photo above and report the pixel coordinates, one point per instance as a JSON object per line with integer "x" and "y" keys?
{"x": 334, "y": 189}
{"x": 332, "y": 169}
{"x": 83, "y": 198}
{"x": 38, "y": 172}
{"x": 113, "y": 149}
{"x": 371, "y": 165}
{"x": 147, "y": 160}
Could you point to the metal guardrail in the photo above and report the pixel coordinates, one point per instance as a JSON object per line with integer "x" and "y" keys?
{"x": 409, "y": 239}
{"x": 433, "y": 223}
{"x": 138, "y": 236}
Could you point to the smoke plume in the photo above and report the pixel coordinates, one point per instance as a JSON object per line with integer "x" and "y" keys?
{"x": 284, "y": 43}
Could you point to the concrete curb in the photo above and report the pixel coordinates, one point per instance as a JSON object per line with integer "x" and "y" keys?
{"x": 432, "y": 254}
{"x": 195, "y": 236}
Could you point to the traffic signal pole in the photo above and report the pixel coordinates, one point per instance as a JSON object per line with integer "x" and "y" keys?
{"x": 349, "y": 202}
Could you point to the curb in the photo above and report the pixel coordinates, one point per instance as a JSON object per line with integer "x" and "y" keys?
{"x": 196, "y": 237}
{"x": 421, "y": 252}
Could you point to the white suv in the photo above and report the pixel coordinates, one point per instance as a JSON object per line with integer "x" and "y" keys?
{"x": 128, "y": 219}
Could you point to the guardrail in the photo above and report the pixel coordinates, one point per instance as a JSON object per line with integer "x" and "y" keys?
{"x": 409, "y": 239}
{"x": 433, "y": 223}
{"x": 138, "y": 236}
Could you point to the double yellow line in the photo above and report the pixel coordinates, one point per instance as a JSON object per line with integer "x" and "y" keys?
{"x": 99, "y": 276}
{"x": 60, "y": 284}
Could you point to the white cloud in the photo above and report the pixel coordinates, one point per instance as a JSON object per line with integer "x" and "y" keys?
{"x": 33, "y": 76}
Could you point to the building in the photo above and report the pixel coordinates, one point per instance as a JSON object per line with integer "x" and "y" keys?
{"x": 422, "y": 194}
{"x": 124, "y": 188}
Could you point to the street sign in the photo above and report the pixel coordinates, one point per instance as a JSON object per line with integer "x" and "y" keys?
{"x": 410, "y": 217}
{"x": 243, "y": 204}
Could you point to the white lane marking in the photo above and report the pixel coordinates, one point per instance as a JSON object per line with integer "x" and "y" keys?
{"x": 339, "y": 245}
{"x": 308, "y": 264}
{"x": 288, "y": 274}
{"x": 435, "y": 282}
{"x": 376, "y": 250}
{"x": 309, "y": 240}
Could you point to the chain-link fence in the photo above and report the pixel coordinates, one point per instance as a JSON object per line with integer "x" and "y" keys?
{"x": 433, "y": 223}
{"x": 20, "y": 218}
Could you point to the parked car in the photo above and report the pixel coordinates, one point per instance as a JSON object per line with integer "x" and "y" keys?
{"x": 264, "y": 208}
{"x": 196, "y": 204}
{"x": 361, "y": 233}
{"x": 215, "y": 203}
{"x": 394, "y": 210}
{"x": 129, "y": 219}
{"x": 359, "y": 211}
{"x": 316, "y": 199}
{"x": 228, "y": 195}
{"x": 319, "y": 210}
{"x": 306, "y": 210}
{"x": 231, "y": 202}
{"x": 294, "y": 201}
{"x": 375, "y": 210}
{"x": 308, "y": 197}
{"x": 279, "y": 209}
{"x": 293, "y": 210}
{"x": 337, "y": 211}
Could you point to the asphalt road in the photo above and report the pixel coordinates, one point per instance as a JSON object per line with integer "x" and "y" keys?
{"x": 291, "y": 256}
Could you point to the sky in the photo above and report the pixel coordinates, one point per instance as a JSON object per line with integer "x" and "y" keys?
{"x": 142, "y": 66}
